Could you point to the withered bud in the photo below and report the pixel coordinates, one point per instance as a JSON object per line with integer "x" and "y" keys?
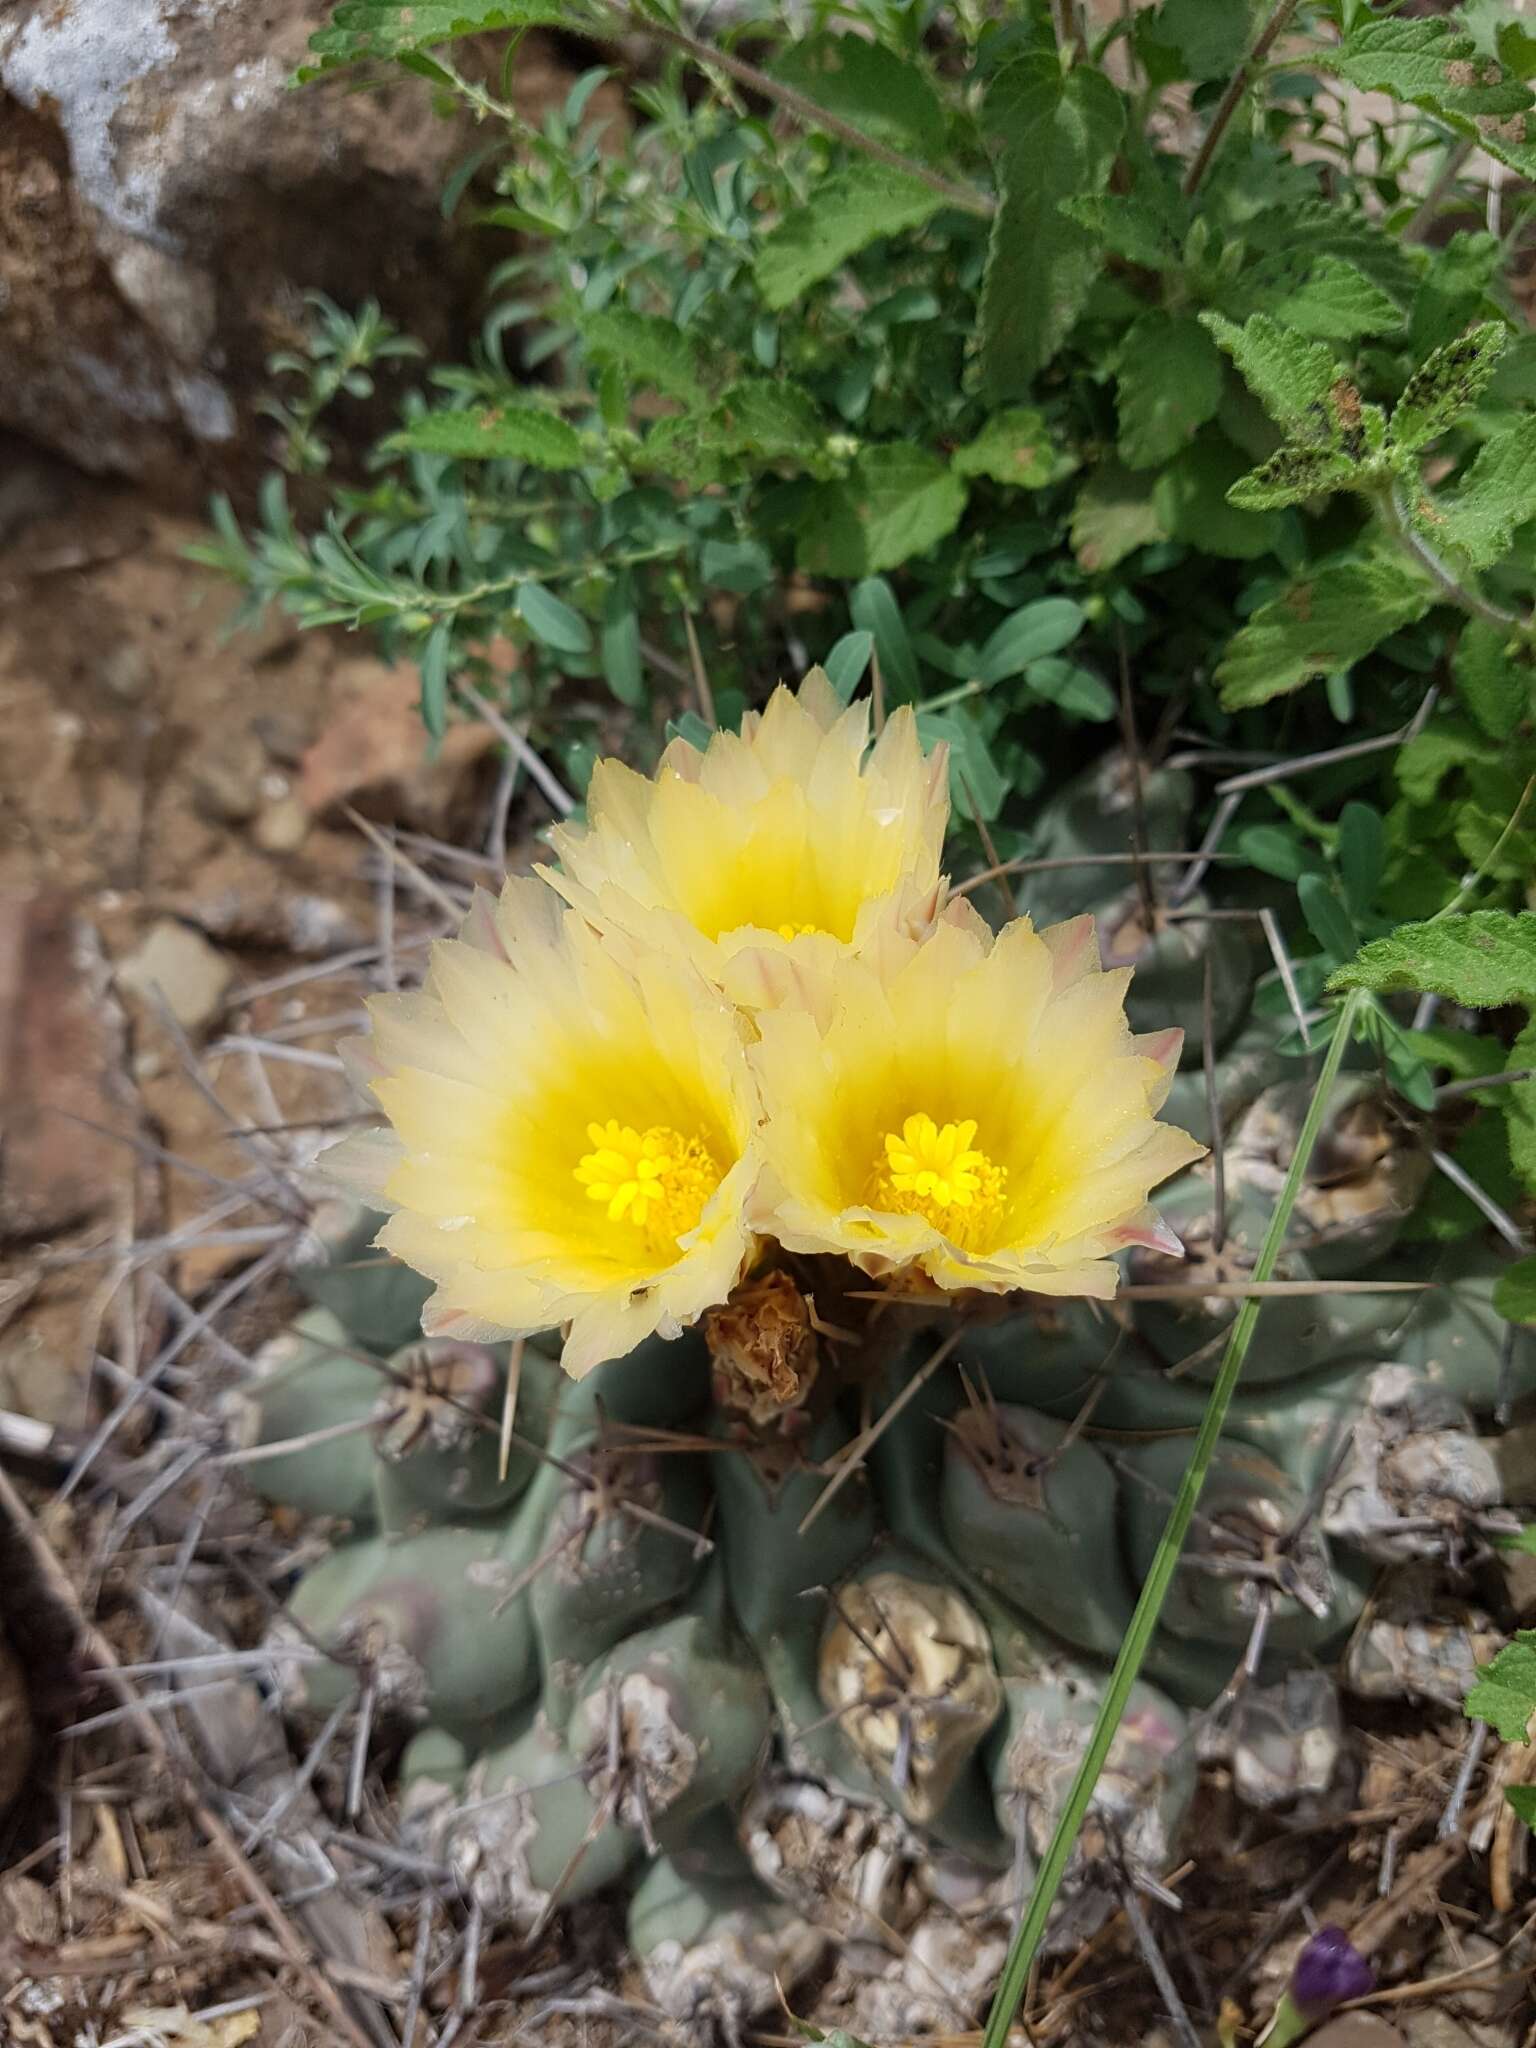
{"x": 762, "y": 1345}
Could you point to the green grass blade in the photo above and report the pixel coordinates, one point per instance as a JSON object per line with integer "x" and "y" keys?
{"x": 1143, "y": 1626}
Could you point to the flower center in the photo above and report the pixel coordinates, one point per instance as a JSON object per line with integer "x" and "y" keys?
{"x": 657, "y": 1180}
{"x": 797, "y": 931}
{"x": 934, "y": 1171}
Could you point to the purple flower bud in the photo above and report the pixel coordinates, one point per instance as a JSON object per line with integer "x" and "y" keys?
{"x": 1329, "y": 1970}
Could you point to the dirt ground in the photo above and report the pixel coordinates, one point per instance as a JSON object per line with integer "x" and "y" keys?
{"x": 188, "y": 917}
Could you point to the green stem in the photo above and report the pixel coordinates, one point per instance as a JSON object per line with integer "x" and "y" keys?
{"x": 1233, "y": 97}
{"x": 1143, "y": 1624}
{"x": 806, "y": 111}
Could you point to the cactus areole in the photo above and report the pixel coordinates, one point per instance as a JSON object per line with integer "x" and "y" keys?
{"x": 783, "y": 1205}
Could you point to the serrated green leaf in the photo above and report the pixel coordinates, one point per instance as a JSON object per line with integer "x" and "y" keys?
{"x": 1044, "y": 627}
{"x": 1494, "y": 677}
{"x": 770, "y": 418}
{"x": 1446, "y": 385}
{"x": 1168, "y": 380}
{"x": 1519, "y": 1106}
{"x": 898, "y": 501}
{"x": 1325, "y": 622}
{"x": 1481, "y": 958}
{"x": 874, "y": 610}
{"x": 1015, "y": 447}
{"x": 1338, "y": 302}
{"x": 1127, "y": 225}
{"x": 619, "y": 642}
{"x": 1060, "y": 133}
{"x": 384, "y": 28}
{"x": 739, "y": 565}
{"x": 1292, "y": 378}
{"x": 867, "y": 83}
{"x": 1504, "y": 1692}
{"x": 1521, "y": 1798}
{"x": 1192, "y": 502}
{"x": 1115, "y": 513}
{"x": 1497, "y": 495}
{"x": 1514, "y": 1293}
{"x": 494, "y": 433}
{"x": 1430, "y": 62}
{"x": 848, "y": 210}
{"x": 648, "y": 349}
{"x": 1424, "y": 761}
{"x": 1208, "y": 41}
{"x": 677, "y": 446}
{"x": 551, "y": 621}
{"x": 1291, "y": 476}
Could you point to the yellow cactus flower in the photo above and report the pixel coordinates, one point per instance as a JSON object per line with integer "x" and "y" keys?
{"x": 980, "y": 1112}
{"x": 571, "y": 1137}
{"x": 793, "y": 837}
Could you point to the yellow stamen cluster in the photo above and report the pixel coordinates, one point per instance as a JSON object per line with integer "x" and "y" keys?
{"x": 655, "y": 1179}
{"x": 934, "y": 1171}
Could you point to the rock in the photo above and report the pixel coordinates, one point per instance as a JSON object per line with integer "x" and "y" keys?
{"x": 60, "y": 1037}
{"x": 226, "y": 773}
{"x": 283, "y": 826}
{"x": 165, "y": 200}
{"x": 1356, "y": 2030}
{"x": 374, "y": 753}
{"x": 179, "y": 965}
{"x": 124, "y": 671}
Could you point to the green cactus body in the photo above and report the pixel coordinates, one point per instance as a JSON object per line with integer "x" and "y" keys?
{"x": 1248, "y": 1065}
{"x": 531, "y": 1833}
{"x": 1035, "y": 1516}
{"x": 379, "y": 1300}
{"x": 1170, "y": 960}
{"x": 1097, "y": 813}
{"x": 439, "y": 1457}
{"x": 312, "y": 1377}
{"x": 715, "y": 1947}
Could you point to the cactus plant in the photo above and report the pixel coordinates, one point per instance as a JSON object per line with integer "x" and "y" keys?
{"x": 795, "y": 1620}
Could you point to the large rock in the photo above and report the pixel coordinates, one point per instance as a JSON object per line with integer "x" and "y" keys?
{"x": 165, "y": 201}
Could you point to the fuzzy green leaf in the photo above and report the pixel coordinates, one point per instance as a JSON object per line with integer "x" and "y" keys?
{"x": 898, "y": 502}
{"x": 770, "y": 418}
{"x": 1291, "y": 476}
{"x": 1481, "y": 958}
{"x": 1522, "y": 1798}
{"x": 1209, "y": 41}
{"x": 1504, "y": 1692}
{"x": 1014, "y": 447}
{"x": 551, "y": 621}
{"x": 1191, "y": 499}
{"x": 1519, "y": 1105}
{"x": 494, "y": 433}
{"x": 1168, "y": 380}
{"x": 1115, "y": 513}
{"x": 847, "y": 211}
{"x": 1497, "y": 495}
{"x": 1338, "y": 303}
{"x": 1431, "y": 63}
{"x": 386, "y": 28}
{"x": 1514, "y": 1293}
{"x": 648, "y": 349}
{"x": 1060, "y": 133}
{"x": 1447, "y": 384}
{"x": 1128, "y": 225}
{"x": 1494, "y": 677}
{"x": 1291, "y": 377}
{"x": 868, "y": 84}
{"x": 1323, "y": 623}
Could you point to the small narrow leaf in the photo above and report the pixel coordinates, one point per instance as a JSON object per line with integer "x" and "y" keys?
{"x": 875, "y": 610}
{"x": 1327, "y": 919}
{"x": 551, "y": 621}
{"x": 846, "y": 661}
{"x": 619, "y": 642}
{"x": 434, "y": 680}
{"x": 845, "y": 212}
{"x": 1362, "y": 856}
{"x": 1446, "y": 385}
{"x": 1482, "y": 958}
{"x": 1037, "y": 629}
